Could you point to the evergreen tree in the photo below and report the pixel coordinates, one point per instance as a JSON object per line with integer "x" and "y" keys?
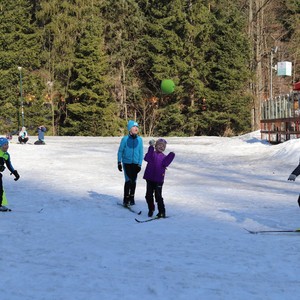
{"x": 124, "y": 28}
{"x": 179, "y": 38}
{"x": 290, "y": 18}
{"x": 61, "y": 24}
{"x": 89, "y": 110}
{"x": 170, "y": 121}
{"x": 228, "y": 77}
{"x": 19, "y": 47}
{"x": 165, "y": 24}
{"x": 88, "y": 66}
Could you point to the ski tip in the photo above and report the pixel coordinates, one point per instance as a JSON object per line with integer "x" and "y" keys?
{"x": 250, "y": 231}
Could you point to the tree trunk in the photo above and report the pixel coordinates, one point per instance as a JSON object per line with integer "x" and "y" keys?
{"x": 123, "y": 91}
{"x": 255, "y": 32}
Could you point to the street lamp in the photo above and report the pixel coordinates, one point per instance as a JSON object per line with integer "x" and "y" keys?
{"x": 21, "y": 98}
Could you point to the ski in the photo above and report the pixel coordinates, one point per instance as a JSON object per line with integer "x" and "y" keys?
{"x": 272, "y": 231}
{"x": 149, "y": 220}
{"x": 130, "y": 209}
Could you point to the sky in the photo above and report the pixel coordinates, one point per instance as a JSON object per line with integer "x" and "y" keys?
{"x": 67, "y": 239}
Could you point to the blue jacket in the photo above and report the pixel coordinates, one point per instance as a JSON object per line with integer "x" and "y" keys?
{"x": 41, "y": 132}
{"x": 131, "y": 150}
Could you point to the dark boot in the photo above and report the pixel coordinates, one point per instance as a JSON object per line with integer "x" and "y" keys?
{"x": 132, "y": 192}
{"x": 161, "y": 215}
{"x": 161, "y": 208}
{"x": 150, "y": 213}
{"x": 3, "y": 208}
{"x": 131, "y": 200}
{"x": 126, "y": 200}
{"x": 151, "y": 206}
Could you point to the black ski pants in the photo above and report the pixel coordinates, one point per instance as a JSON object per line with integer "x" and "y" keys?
{"x": 155, "y": 188}
{"x": 131, "y": 172}
{"x": 1, "y": 189}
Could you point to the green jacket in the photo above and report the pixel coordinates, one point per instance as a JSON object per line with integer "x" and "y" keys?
{"x": 5, "y": 160}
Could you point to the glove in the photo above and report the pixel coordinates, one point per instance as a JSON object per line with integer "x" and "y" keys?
{"x": 152, "y": 142}
{"x": 292, "y": 177}
{"x": 120, "y": 167}
{"x": 2, "y": 168}
{"x": 17, "y": 176}
{"x": 138, "y": 168}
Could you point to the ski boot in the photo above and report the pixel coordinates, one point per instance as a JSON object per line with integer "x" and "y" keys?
{"x": 161, "y": 215}
{"x": 4, "y": 208}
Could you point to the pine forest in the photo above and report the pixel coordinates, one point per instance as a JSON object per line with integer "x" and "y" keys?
{"x": 86, "y": 67}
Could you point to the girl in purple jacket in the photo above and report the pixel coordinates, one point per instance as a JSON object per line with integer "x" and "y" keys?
{"x": 155, "y": 175}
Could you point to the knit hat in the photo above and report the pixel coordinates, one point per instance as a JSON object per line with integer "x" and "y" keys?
{"x": 3, "y": 141}
{"x": 161, "y": 141}
{"x": 132, "y": 123}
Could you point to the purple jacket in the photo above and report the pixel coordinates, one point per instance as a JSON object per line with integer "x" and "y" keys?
{"x": 157, "y": 164}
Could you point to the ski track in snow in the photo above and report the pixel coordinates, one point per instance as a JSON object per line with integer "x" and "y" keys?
{"x": 67, "y": 239}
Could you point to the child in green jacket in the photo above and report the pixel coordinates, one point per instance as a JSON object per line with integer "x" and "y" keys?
{"x": 5, "y": 162}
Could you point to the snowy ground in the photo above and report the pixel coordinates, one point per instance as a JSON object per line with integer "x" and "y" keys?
{"x": 66, "y": 239}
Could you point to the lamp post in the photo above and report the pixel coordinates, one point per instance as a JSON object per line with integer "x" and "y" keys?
{"x": 21, "y": 98}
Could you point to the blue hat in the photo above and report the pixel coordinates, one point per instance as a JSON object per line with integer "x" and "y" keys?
{"x": 131, "y": 124}
{"x": 3, "y": 141}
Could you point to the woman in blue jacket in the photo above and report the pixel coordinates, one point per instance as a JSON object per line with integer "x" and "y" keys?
{"x": 130, "y": 158}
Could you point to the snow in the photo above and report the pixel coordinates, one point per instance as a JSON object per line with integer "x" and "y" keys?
{"x": 67, "y": 239}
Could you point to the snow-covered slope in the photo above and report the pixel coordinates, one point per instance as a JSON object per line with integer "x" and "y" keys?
{"x": 67, "y": 239}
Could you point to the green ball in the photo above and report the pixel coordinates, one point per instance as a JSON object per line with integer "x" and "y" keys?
{"x": 167, "y": 86}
